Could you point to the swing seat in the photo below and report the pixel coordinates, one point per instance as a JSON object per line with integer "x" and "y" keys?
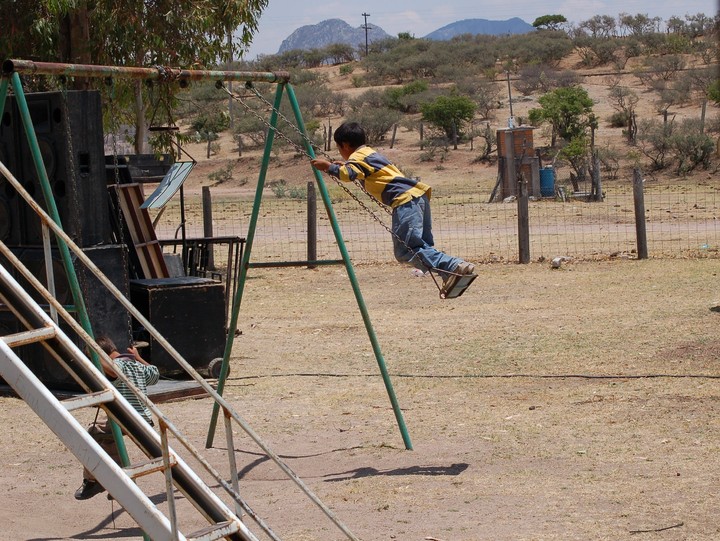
{"x": 456, "y": 285}
{"x": 170, "y": 127}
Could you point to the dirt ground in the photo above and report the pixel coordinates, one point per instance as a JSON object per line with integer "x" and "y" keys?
{"x": 578, "y": 403}
{"x": 544, "y": 404}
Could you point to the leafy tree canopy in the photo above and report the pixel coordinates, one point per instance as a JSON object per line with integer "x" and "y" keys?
{"x": 449, "y": 113}
{"x": 568, "y": 110}
{"x": 714, "y": 91}
{"x": 129, "y": 33}
{"x": 551, "y": 22}
{"x": 132, "y": 32}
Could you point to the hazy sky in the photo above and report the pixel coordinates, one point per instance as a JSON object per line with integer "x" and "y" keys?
{"x": 420, "y": 17}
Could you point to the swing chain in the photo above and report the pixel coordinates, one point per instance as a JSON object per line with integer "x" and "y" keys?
{"x": 301, "y": 150}
{"x": 110, "y": 83}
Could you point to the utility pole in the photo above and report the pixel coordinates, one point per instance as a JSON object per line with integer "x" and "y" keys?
{"x": 366, "y": 27}
{"x": 511, "y": 120}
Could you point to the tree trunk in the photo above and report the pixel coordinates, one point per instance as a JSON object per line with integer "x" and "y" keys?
{"x": 74, "y": 42}
{"x": 140, "y": 127}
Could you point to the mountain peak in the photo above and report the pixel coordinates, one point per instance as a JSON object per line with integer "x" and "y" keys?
{"x": 481, "y": 26}
{"x": 332, "y": 31}
{"x": 329, "y": 32}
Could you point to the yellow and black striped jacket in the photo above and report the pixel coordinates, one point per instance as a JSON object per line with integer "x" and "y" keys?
{"x": 379, "y": 177}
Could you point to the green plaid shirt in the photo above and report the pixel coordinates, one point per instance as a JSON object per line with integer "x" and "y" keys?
{"x": 141, "y": 376}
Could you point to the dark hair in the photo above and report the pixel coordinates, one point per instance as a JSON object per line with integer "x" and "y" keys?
{"x": 107, "y": 345}
{"x": 351, "y": 133}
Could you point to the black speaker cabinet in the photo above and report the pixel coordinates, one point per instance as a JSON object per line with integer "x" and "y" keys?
{"x": 190, "y": 314}
{"x": 68, "y": 126}
{"x": 106, "y": 314}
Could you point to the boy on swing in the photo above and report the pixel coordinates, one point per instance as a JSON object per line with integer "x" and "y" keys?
{"x": 409, "y": 199}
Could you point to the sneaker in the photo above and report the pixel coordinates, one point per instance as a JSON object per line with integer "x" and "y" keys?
{"x": 88, "y": 489}
{"x": 465, "y": 268}
{"x": 449, "y": 282}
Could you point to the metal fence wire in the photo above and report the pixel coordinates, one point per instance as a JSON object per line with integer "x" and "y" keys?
{"x": 681, "y": 220}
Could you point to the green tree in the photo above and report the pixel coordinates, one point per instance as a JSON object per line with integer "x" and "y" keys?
{"x": 599, "y": 26}
{"x": 714, "y": 91}
{"x": 130, "y": 33}
{"x": 568, "y": 110}
{"x": 639, "y": 24}
{"x": 551, "y": 22}
{"x": 576, "y": 152}
{"x": 401, "y": 98}
{"x": 340, "y": 53}
{"x": 449, "y": 113}
{"x": 691, "y": 147}
{"x": 376, "y": 121}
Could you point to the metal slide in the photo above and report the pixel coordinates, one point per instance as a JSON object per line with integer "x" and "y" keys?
{"x": 223, "y": 522}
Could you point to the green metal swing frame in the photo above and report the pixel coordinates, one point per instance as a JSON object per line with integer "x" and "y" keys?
{"x": 10, "y": 75}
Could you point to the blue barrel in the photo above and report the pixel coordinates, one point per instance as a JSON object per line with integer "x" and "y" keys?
{"x": 547, "y": 182}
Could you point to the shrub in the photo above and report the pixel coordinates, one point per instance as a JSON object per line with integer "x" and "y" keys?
{"x": 653, "y": 139}
{"x": 212, "y": 121}
{"x": 618, "y": 120}
{"x": 609, "y": 161}
{"x": 377, "y": 121}
{"x": 449, "y": 113}
{"x": 282, "y": 190}
{"x": 223, "y": 174}
{"x": 691, "y": 148}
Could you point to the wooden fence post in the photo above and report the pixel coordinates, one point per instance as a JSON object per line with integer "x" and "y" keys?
{"x": 596, "y": 182}
{"x": 311, "y": 224}
{"x": 523, "y": 218}
{"x": 639, "y": 199}
{"x": 208, "y": 224}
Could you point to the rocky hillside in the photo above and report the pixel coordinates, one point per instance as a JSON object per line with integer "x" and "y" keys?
{"x": 481, "y": 26}
{"x": 330, "y": 32}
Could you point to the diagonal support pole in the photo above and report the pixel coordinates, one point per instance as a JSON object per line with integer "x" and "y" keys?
{"x": 345, "y": 257}
{"x": 351, "y": 274}
{"x": 70, "y": 273}
{"x": 225, "y": 367}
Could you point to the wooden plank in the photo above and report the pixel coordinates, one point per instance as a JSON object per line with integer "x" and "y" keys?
{"x": 173, "y": 390}
{"x": 163, "y": 391}
{"x": 142, "y": 232}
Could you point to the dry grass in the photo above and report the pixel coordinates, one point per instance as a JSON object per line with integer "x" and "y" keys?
{"x": 577, "y": 403}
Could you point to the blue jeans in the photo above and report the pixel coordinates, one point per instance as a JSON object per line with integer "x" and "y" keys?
{"x": 412, "y": 224}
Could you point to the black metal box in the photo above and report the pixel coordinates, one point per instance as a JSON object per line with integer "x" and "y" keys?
{"x": 106, "y": 314}
{"x": 69, "y": 131}
{"x": 189, "y": 312}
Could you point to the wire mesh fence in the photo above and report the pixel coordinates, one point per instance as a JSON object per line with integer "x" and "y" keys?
{"x": 681, "y": 220}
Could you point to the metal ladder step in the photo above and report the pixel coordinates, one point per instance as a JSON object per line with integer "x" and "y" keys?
{"x": 29, "y": 337}
{"x": 215, "y": 531}
{"x": 150, "y": 466}
{"x": 89, "y": 400}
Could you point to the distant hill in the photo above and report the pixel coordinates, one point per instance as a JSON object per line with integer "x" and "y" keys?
{"x": 329, "y": 32}
{"x": 481, "y": 26}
